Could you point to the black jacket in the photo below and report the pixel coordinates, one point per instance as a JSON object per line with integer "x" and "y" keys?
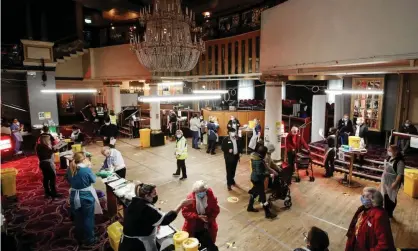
{"x": 109, "y": 131}
{"x": 342, "y": 128}
{"x": 228, "y": 145}
{"x": 363, "y": 133}
{"x": 230, "y": 124}
{"x": 411, "y": 129}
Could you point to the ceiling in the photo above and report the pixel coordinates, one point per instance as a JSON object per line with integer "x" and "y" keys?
{"x": 216, "y": 7}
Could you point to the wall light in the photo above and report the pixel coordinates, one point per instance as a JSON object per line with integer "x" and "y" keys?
{"x": 206, "y": 14}
{"x": 69, "y": 91}
{"x": 210, "y": 91}
{"x": 87, "y": 20}
{"x": 353, "y": 92}
{"x": 150, "y": 99}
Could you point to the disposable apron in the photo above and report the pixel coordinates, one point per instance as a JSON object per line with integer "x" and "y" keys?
{"x": 212, "y": 131}
{"x": 150, "y": 241}
{"x": 18, "y": 136}
{"x": 77, "y": 202}
{"x": 253, "y": 140}
{"x": 388, "y": 177}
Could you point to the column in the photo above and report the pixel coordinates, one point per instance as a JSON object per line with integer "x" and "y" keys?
{"x": 29, "y": 32}
{"x": 113, "y": 97}
{"x": 196, "y": 104}
{"x": 155, "y": 122}
{"x": 79, "y": 20}
{"x": 44, "y": 28}
{"x": 273, "y": 117}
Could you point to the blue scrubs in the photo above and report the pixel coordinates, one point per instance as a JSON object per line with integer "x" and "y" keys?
{"x": 84, "y": 216}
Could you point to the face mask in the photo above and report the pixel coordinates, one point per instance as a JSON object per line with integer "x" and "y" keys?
{"x": 390, "y": 154}
{"x": 305, "y": 239}
{"x": 154, "y": 199}
{"x": 406, "y": 125}
{"x": 201, "y": 195}
{"x": 294, "y": 133}
{"x": 345, "y": 119}
{"x": 365, "y": 201}
{"x": 358, "y": 122}
{"x": 232, "y": 134}
{"x": 107, "y": 123}
{"x": 178, "y": 136}
{"x": 201, "y": 117}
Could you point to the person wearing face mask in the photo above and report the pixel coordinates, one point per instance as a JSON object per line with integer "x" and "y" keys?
{"x": 293, "y": 143}
{"x": 84, "y": 202}
{"x": 232, "y": 148}
{"x": 212, "y": 129}
{"x": 202, "y": 129}
{"x": 200, "y": 215}
{"x": 369, "y": 229}
{"x": 409, "y": 129}
{"x": 108, "y": 131}
{"x": 345, "y": 129}
{"x": 362, "y": 131}
{"x": 256, "y": 135}
{"x": 181, "y": 155}
{"x": 172, "y": 123}
{"x": 316, "y": 240}
{"x": 16, "y": 129}
{"x": 77, "y": 136}
{"x": 233, "y": 123}
{"x": 392, "y": 177}
{"x": 330, "y": 153}
{"x": 142, "y": 219}
{"x": 259, "y": 172}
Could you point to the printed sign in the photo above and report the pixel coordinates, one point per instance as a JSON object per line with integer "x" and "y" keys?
{"x": 41, "y": 115}
{"x": 47, "y": 115}
{"x": 414, "y": 142}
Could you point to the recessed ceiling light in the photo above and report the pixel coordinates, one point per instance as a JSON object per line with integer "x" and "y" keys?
{"x": 206, "y": 14}
{"x": 87, "y": 20}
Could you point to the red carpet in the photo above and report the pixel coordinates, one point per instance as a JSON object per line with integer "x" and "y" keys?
{"x": 37, "y": 223}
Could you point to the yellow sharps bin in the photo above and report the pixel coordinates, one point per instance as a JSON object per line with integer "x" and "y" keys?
{"x": 410, "y": 186}
{"x": 354, "y": 142}
{"x": 114, "y": 232}
{"x": 191, "y": 244}
{"x": 178, "y": 239}
{"x": 145, "y": 137}
{"x": 8, "y": 181}
{"x": 76, "y": 148}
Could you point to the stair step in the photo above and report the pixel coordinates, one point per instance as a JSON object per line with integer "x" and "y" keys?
{"x": 67, "y": 58}
{"x": 60, "y": 60}
{"x": 80, "y": 53}
{"x": 74, "y": 55}
{"x": 126, "y": 128}
{"x": 85, "y": 50}
{"x": 125, "y": 133}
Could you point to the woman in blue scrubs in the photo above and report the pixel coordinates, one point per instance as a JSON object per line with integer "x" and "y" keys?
{"x": 83, "y": 198}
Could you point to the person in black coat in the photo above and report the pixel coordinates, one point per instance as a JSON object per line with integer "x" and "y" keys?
{"x": 142, "y": 219}
{"x": 345, "y": 128}
{"x": 362, "y": 131}
{"x": 408, "y": 128}
{"x": 77, "y": 136}
{"x": 108, "y": 131}
{"x": 316, "y": 240}
{"x": 232, "y": 148}
{"x": 233, "y": 123}
{"x": 330, "y": 153}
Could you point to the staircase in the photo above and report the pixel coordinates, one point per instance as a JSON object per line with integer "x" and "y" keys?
{"x": 67, "y": 51}
{"x": 124, "y": 119}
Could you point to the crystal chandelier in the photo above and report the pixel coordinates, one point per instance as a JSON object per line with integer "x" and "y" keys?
{"x": 167, "y": 45}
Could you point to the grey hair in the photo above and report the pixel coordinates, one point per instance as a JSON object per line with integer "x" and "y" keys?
{"x": 377, "y": 197}
{"x": 200, "y": 185}
{"x": 105, "y": 149}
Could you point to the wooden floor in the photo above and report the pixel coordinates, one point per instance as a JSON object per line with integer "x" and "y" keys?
{"x": 323, "y": 203}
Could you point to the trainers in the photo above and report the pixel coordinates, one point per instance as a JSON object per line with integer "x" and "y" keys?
{"x": 176, "y": 174}
{"x": 183, "y": 178}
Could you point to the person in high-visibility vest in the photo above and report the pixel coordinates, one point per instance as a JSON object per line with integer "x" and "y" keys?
{"x": 181, "y": 155}
{"x": 113, "y": 117}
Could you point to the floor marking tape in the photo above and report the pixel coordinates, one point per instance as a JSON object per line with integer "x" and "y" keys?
{"x": 335, "y": 225}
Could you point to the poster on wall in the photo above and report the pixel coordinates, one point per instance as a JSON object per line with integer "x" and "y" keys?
{"x": 41, "y": 115}
{"x": 47, "y": 115}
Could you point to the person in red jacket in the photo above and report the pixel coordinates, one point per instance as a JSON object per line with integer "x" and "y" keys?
{"x": 293, "y": 143}
{"x": 370, "y": 227}
{"x": 200, "y": 216}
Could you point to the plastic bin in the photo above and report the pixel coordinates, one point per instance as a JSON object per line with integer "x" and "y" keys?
{"x": 354, "y": 142}
{"x": 178, "y": 239}
{"x": 56, "y": 157}
{"x": 410, "y": 186}
{"x": 114, "y": 232}
{"x": 145, "y": 137}
{"x": 8, "y": 181}
{"x": 76, "y": 148}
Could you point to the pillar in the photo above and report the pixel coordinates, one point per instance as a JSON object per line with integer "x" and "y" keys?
{"x": 29, "y": 31}
{"x": 155, "y": 122}
{"x": 196, "y": 104}
{"x": 273, "y": 117}
{"x": 79, "y": 20}
{"x": 44, "y": 28}
{"x": 113, "y": 97}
